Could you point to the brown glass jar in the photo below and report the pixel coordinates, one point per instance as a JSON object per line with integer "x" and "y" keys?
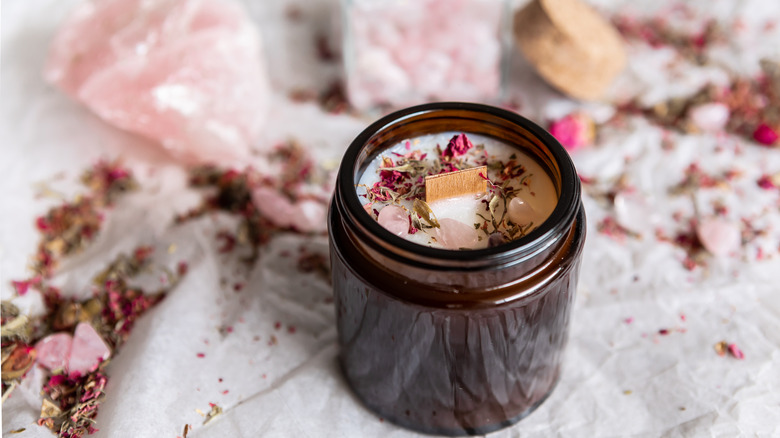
{"x": 454, "y": 342}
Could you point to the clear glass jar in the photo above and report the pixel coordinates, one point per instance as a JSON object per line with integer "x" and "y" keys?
{"x": 447, "y": 341}
{"x": 406, "y": 52}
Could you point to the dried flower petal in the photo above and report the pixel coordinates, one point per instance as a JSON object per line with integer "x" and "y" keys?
{"x": 574, "y": 131}
{"x": 765, "y": 135}
{"x": 736, "y": 352}
{"x": 458, "y": 145}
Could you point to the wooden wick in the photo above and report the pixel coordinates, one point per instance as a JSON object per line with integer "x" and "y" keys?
{"x": 454, "y": 184}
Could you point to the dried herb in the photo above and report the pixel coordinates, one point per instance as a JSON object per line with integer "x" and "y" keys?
{"x": 68, "y": 228}
{"x": 213, "y": 413}
{"x": 423, "y": 210}
{"x": 230, "y": 191}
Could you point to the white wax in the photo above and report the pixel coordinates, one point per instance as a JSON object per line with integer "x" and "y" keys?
{"x": 533, "y": 187}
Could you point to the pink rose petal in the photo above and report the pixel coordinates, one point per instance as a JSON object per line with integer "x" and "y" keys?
{"x": 88, "y": 349}
{"x": 574, "y": 131}
{"x": 719, "y": 236}
{"x": 54, "y": 350}
{"x": 765, "y": 135}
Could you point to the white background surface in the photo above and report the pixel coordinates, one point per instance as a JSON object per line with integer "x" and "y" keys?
{"x": 678, "y": 385}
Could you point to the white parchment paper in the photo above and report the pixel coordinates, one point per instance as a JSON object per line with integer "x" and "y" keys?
{"x": 620, "y": 378}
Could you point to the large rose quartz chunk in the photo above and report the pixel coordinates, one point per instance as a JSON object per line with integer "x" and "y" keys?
{"x": 404, "y": 52}
{"x": 186, "y": 73}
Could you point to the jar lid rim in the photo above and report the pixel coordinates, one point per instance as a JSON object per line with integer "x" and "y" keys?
{"x": 559, "y": 220}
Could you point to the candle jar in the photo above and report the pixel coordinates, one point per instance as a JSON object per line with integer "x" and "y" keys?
{"x": 404, "y": 52}
{"x": 454, "y": 341}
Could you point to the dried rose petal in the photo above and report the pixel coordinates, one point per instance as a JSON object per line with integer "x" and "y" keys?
{"x": 765, "y": 135}
{"x": 458, "y": 145}
{"x": 736, "y": 352}
{"x": 574, "y": 131}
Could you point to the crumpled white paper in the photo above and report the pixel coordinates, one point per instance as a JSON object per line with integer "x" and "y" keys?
{"x": 619, "y": 378}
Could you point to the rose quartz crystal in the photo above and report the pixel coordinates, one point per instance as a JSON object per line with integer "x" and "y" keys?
{"x": 709, "y": 117}
{"x": 574, "y": 131}
{"x": 718, "y": 236}
{"x": 54, "y": 350}
{"x": 185, "y": 73}
{"x": 394, "y": 219}
{"x": 88, "y": 349}
{"x": 454, "y": 234}
{"x": 305, "y": 215}
{"x": 405, "y": 52}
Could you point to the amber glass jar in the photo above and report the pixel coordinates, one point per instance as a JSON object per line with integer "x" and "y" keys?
{"x": 444, "y": 341}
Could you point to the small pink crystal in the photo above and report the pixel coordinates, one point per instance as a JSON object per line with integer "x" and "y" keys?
{"x": 454, "y": 234}
{"x": 765, "y": 135}
{"x": 520, "y": 212}
{"x": 718, "y": 236}
{"x": 574, "y": 131}
{"x": 305, "y": 216}
{"x": 185, "y": 73}
{"x": 54, "y": 350}
{"x": 394, "y": 219}
{"x": 709, "y": 117}
{"x": 88, "y": 349}
{"x": 634, "y": 213}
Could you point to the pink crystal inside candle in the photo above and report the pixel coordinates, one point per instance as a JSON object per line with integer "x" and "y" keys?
{"x": 520, "y": 195}
{"x": 401, "y": 52}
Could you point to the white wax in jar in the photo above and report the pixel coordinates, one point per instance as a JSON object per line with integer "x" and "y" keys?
{"x": 520, "y": 195}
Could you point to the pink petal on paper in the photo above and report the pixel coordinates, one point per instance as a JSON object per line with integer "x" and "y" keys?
{"x": 88, "y": 349}
{"x": 574, "y": 131}
{"x": 54, "y": 350}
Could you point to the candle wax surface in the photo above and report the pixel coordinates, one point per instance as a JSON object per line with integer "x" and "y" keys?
{"x": 520, "y": 195}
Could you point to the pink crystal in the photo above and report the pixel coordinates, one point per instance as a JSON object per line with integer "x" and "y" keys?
{"x": 709, "y": 117}
{"x": 394, "y": 219}
{"x": 54, "y": 350}
{"x": 520, "y": 212}
{"x": 718, "y": 236}
{"x": 634, "y": 213}
{"x": 574, "y": 131}
{"x": 88, "y": 349}
{"x": 305, "y": 215}
{"x": 412, "y": 51}
{"x": 185, "y": 73}
{"x": 454, "y": 234}
{"x": 765, "y": 135}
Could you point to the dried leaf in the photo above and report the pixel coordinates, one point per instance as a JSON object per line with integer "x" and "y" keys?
{"x": 424, "y": 211}
{"x": 213, "y": 413}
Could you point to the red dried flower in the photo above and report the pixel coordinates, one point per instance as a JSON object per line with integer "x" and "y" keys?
{"x": 458, "y": 145}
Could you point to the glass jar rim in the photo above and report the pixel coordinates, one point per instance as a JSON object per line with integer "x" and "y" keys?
{"x": 555, "y": 225}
